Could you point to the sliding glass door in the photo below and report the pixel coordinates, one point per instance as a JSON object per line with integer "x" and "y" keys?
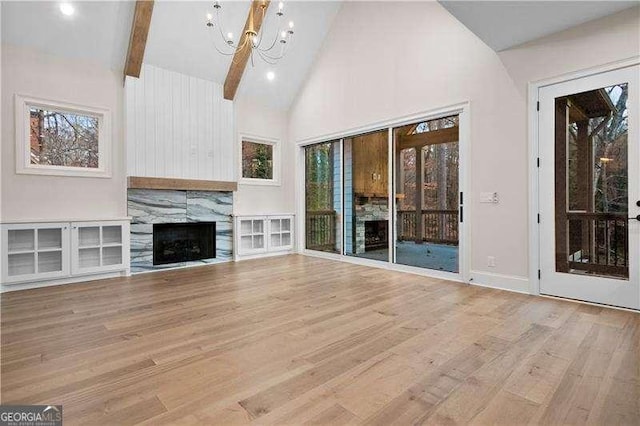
{"x": 427, "y": 195}
{"x": 323, "y": 197}
{"x": 352, "y": 208}
{"x": 366, "y": 195}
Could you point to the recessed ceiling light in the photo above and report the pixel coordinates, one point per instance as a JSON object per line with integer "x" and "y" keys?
{"x": 67, "y": 9}
{"x": 271, "y": 76}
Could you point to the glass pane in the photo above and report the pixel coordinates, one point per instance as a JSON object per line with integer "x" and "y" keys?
{"x": 49, "y": 238}
{"x": 21, "y": 239}
{"x": 257, "y": 160}
{"x": 323, "y": 198}
{"x": 111, "y": 256}
{"x": 427, "y": 157}
{"x": 89, "y": 257}
{"x": 112, "y": 234}
{"x": 591, "y": 182}
{"x": 21, "y": 264}
{"x": 245, "y": 227}
{"x": 50, "y": 261}
{"x": 61, "y": 138}
{"x": 246, "y": 242}
{"x": 89, "y": 236}
{"x": 366, "y": 193}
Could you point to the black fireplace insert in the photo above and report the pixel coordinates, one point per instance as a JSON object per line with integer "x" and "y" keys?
{"x": 376, "y": 235}
{"x": 182, "y": 242}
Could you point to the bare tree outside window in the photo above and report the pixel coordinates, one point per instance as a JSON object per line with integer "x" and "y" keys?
{"x": 60, "y": 138}
{"x": 257, "y": 160}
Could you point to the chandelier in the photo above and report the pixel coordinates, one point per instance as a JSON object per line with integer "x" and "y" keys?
{"x": 253, "y": 41}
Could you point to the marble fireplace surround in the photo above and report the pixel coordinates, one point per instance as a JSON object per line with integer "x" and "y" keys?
{"x": 149, "y": 206}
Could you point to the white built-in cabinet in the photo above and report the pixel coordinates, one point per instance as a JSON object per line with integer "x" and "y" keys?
{"x": 96, "y": 247}
{"x": 261, "y": 235}
{"x": 34, "y": 252}
{"x": 39, "y": 252}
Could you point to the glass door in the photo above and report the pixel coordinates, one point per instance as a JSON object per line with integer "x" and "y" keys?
{"x": 366, "y": 195}
{"x": 590, "y": 189}
{"x": 427, "y": 194}
{"x": 323, "y": 197}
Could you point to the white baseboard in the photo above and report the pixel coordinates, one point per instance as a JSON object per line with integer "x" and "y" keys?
{"x": 261, "y": 255}
{"x": 5, "y": 288}
{"x": 503, "y": 282}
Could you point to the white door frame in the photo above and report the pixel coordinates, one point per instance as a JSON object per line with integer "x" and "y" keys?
{"x": 534, "y": 143}
{"x": 463, "y": 109}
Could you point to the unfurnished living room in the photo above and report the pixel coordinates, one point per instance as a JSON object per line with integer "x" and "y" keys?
{"x": 320, "y": 212}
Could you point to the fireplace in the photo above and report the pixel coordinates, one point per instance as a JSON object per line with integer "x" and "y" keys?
{"x": 376, "y": 234}
{"x": 183, "y": 242}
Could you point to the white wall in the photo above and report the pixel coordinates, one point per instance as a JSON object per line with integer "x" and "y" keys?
{"x": 178, "y": 126}
{"x": 260, "y": 121}
{"x": 396, "y": 59}
{"x": 594, "y": 43}
{"x": 37, "y": 74}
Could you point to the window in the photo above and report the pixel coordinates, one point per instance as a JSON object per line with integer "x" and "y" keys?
{"x": 259, "y": 161}
{"x": 61, "y": 139}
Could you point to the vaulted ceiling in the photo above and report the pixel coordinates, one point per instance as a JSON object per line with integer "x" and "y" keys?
{"x": 505, "y": 24}
{"x": 98, "y": 31}
{"x": 179, "y": 40}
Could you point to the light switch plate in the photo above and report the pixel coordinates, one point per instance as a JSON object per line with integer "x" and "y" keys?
{"x": 489, "y": 197}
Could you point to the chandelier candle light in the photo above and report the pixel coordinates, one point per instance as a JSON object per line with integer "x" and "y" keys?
{"x": 271, "y": 50}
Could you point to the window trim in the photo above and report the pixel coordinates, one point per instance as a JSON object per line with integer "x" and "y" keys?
{"x": 23, "y": 143}
{"x": 275, "y": 143}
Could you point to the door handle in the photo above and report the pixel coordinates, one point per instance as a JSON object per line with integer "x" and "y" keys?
{"x": 636, "y": 218}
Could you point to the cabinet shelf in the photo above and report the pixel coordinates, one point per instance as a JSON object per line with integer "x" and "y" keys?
{"x": 49, "y": 250}
{"x": 20, "y": 251}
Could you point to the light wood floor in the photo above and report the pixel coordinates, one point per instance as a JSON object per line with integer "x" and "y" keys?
{"x": 295, "y": 340}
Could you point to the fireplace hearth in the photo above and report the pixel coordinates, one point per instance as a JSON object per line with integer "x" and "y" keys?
{"x": 183, "y": 242}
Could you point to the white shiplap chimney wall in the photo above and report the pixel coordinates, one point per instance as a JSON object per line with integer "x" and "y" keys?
{"x": 178, "y": 126}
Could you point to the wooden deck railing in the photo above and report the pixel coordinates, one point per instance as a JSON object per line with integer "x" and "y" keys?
{"x": 598, "y": 243}
{"x": 320, "y": 230}
{"x": 438, "y": 226}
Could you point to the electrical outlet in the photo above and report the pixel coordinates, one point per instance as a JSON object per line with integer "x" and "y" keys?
{"x": 491, "y": 261}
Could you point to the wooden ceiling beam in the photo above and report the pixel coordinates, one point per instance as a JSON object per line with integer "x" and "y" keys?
{"x": 138, "y": 38}
{"x": 241, "y": 57}
{"x": 433, "y": 137}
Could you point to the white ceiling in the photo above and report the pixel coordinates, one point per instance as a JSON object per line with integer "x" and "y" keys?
{"x": 505, "y": 24}
{"x": 98, "y": 31}
{"x": 180, "y": 41}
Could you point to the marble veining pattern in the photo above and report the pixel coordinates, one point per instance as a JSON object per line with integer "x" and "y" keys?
{"x": 148, "y": 206}
{"x": 157, "y": 206}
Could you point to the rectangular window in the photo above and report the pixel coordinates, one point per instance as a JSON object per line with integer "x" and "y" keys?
{"x": 61, "y": 139}
{"x": 259, "y": 162}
